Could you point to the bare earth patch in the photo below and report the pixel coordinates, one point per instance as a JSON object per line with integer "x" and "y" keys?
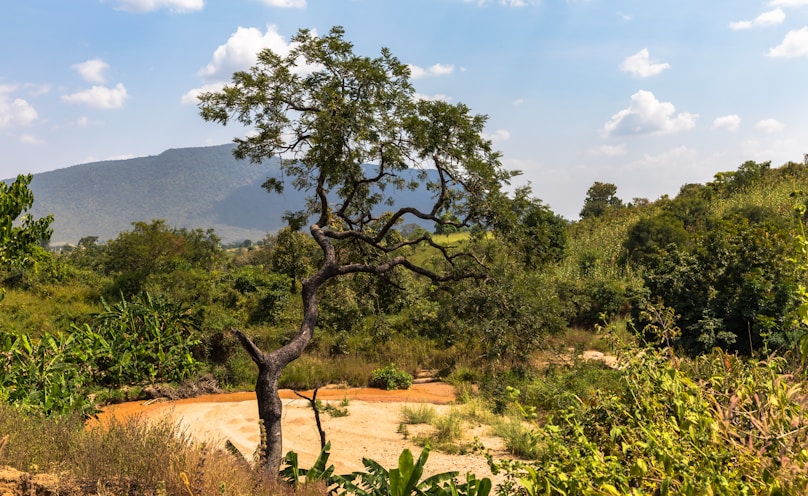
{"x": 370, "y": 430}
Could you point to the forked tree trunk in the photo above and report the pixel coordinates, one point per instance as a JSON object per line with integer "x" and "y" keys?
{"x": 270, "y": 366}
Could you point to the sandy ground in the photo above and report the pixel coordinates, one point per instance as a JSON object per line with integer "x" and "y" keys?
{"x": 370, "y": 429}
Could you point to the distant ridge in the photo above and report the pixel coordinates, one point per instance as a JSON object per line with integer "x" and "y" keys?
{"x": 188, "y": 187}
{"x": 203, "y": 187}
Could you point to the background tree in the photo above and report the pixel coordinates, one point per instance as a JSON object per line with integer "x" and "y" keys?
{"x": 156, "y": 249}
{"x": 347, "y": 128}
{"x": 599, "y": 198}
{"x": 651, "y": 235}
{"x": 291, "y": 253}
{"x": 20, "y": 234}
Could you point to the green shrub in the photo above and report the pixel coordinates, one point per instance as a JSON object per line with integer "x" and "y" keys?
{"x": 391, "y": 377}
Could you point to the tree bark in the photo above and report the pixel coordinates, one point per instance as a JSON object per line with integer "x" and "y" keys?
{"x": 270, "y": 366}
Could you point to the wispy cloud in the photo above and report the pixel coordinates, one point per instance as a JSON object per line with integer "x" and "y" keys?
{"x": 770, "y": 126}
{"x": 436, "y": 97}
{"x": 647, "y": 115}
{"x": 729, "y": 122}
{"x": 36, "y": 89}
{"x": 795, "y": 44}
{"x": 294, "y": 4}
{"x": 788, "y": 3}
{"x": 178, "y": 6}
{"x": 92, "y": 70}
{"x": 770, "y": 18}
{"x": 498, "y": 136}
{"x": 609, "y": 150}
{"x": 506, "y": 3}
{"x": 30, "y": 139}
{"x": 431, "y": 71}
{"x": 100, "y": 97}
{"x": 640, "y": 65}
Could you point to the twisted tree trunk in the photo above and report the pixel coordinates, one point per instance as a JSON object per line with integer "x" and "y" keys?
{"x": 270, "y": 366}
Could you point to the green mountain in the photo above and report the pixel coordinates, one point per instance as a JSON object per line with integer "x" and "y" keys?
{"x": 188, "y": 187}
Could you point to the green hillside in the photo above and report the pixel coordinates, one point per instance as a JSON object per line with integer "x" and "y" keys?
{"x": 191, "y": 187}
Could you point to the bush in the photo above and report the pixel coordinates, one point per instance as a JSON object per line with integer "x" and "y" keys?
{"x": 391, "y": 378}
{"x": 713, "y": 425}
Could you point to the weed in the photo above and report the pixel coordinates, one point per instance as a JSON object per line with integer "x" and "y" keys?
{"x": 335, "y": 410}
{"x": 421, "y": 413}
{"x": 520, "y": 438}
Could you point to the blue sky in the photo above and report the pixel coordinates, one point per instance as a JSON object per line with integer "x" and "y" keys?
{"x": 646, "y": 94}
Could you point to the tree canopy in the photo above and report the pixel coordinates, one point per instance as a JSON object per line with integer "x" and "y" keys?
{"x": 19, "y": 231}
{"x": 600, "y": 197}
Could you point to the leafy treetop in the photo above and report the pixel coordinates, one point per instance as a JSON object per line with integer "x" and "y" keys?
{"x": 19, "y": 231}
{"x": 347, "y": 127}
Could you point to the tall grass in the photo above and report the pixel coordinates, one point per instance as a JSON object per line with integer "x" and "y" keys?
{"x": 131, "y": 457}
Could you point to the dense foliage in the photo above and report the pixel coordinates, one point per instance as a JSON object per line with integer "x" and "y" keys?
{"x": 714, "y": 425}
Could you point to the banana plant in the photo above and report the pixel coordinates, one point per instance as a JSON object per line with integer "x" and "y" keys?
{"x": 405, "y": 480}
{"x": 294, "y": 475}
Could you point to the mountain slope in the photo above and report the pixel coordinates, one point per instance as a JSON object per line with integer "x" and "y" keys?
{"x": 188, "y": 187}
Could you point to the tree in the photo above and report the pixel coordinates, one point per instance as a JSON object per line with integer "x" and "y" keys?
{"x": 542, "y": 234}
{"x": 156, "y": 248}
{"x": 599, "y": 198}
{"x": 292, "y": 254}
{"x": 346, "y": 129}
{"x": 650, "y": 235}
{"x": 20, "y": 234}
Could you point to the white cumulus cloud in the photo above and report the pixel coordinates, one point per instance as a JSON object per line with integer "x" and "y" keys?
{"x": 770, "y": 18}
{"x": 100, "y": 97}
{"x": 92, "y": 70}
{"x": 178, "y": 6}
{"x": 640, "y": 65}
{"x": 240, "y": 52}
{"x": 192, "y": 96}
{"x": 15, "y": 112}
{"x": 647, "y": 115}
{"x": 795, "y": 44}
{"x": 729, "y": 122}
{"x": 432, "y": 71}
{"x": 770, "y": 125}
{"x": 295, "y": 4}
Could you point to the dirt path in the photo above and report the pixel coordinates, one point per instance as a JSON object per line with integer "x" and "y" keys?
{"x": 369, "y": 430}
